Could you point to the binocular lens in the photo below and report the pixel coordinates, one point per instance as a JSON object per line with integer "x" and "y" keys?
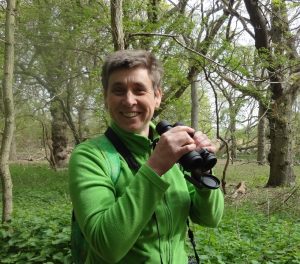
{"x": 210, "y": 182}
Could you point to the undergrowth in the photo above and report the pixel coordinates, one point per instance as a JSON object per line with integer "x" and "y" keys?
{"x": 40, "y": 230}
{"x": 260, "y": 226}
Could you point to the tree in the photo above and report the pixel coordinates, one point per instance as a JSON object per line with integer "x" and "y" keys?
{"x": 280, "y": 60}
{"x": 116, "y": 10}
{"x": 276, "y": 67}
{"x": 8, "y": 103}
{"x": 59, "y": 66}
{"x": 261, "y": 136}
{"x": 235, "y": 101}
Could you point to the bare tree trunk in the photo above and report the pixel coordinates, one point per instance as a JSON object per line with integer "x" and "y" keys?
{"x": 83, "y": 129}
{"x": 13, "y": 149}
{"x": 9, "y": 113}
{"x": 195, "y": 105}
{"x": 117, "y": 24}
{"x": 261, "y": 136}
{"x": 232, "y": 129}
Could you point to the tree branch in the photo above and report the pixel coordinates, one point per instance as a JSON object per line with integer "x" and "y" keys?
{"x": 175, "y": 38}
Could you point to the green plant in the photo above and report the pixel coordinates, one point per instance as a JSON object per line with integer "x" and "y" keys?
{"x": 40, "y": 230}
{"x": 260, "y": 227}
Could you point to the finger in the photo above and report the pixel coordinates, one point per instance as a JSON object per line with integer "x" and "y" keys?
{"x": 178, "y": 136}
{"x": 187, "y": 129}
{"x": 211, "y": 148}
{"x": 202, "y": 141}
{"x": 201, "y": 138}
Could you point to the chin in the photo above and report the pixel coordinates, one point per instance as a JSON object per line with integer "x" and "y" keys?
{"x": 131, "y": 129}
{"x": 134, "y": 130}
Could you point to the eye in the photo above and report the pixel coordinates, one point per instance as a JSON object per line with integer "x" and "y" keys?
{"x": 140, "y": 90}
{"x": 118, "y": 90}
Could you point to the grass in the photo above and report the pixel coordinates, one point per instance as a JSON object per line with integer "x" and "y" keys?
{"x": 40, "y": 230}
{"x": 262, "y": 226}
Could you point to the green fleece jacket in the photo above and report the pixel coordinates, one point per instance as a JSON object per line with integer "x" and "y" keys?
{"x": 142, "y": 217}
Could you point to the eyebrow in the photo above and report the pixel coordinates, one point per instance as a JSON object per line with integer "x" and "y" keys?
{"x": 117, "y": 83}
{"x": 122, "y": 83}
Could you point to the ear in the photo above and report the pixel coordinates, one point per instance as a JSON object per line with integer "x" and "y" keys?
{"x": 158, "y": 97}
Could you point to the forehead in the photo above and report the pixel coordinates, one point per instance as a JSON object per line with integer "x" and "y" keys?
{"x": 134, "y": 75}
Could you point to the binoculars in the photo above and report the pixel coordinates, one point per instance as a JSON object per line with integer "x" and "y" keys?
{"x": 198, "y": 163}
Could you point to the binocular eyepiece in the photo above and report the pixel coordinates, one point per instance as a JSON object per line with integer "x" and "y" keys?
{"x": 197, "y": 162}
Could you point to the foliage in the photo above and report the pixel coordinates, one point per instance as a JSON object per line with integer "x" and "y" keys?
{"x": 251, "y": 232}
{"x": 244, "y": 238}
{"x": 260, "y": 227}
{"x": 61, "y": 46}
{"x": 36, "y": 239}
{"x": 64, "y": 42}
{"x": 40, "y": 230}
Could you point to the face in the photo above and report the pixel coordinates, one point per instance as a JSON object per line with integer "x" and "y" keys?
{"x": 131, "y": 100}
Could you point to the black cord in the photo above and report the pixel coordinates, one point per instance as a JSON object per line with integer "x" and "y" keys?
{"x": 159, "y": 245}
{"x": 191, "y": 236}
{"x": 122, "y": 149}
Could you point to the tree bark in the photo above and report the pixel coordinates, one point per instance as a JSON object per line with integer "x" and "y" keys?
{"x": 232, "y": 129}
{"x": 117, "y": 24}
{"x": 261, "y": 136}
{"x": 13, "y": 148}
{"x": 281, "y": 154}
{"x": 195, "y": 105}
{"x": 9, "y": 113}
{"x": 58, "y": 134}
{"x": 83, "y": 129}
{"x": 283, "y": 88}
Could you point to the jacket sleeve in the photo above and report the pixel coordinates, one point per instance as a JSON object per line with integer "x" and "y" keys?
{"x": 207, "y": 206}
{"x": 110, "y": 225}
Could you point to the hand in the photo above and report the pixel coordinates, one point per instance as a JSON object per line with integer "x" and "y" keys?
{"x": 202, "y": 141}
{"x": 171, "y": 146}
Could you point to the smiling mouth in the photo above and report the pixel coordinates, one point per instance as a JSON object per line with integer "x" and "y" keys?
{"x": 130, "y": 114}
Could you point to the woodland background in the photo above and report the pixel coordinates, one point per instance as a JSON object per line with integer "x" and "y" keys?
{"x": 232, "y": 69}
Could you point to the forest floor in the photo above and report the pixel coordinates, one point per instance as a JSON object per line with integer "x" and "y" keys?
{"x": 260, "y": 225}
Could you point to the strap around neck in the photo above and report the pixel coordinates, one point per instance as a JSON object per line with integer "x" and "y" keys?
{"x": 122, "y": 149}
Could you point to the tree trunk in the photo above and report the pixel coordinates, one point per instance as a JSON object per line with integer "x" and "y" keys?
{"x": 83, "y": 129}
{"x": 13, "y": 149}
{"x": 8, "y": 103}
{"x": 284, "y": 85}
{"x": 232, "y": 129}
{"x": 117, "y": 24}
{"x": 261, "y": 136}
{"x": 195, "y": 105}
{"x": 281, "y": 155}
{"x": 58, "y": 134}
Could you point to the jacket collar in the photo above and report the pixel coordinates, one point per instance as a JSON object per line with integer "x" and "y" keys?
{"x": 136, "y": 143}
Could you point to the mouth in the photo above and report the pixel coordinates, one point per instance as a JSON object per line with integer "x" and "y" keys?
{"x": 130, "y": 114}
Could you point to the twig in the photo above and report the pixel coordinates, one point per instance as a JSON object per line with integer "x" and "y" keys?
{"x": 175, "y": 38}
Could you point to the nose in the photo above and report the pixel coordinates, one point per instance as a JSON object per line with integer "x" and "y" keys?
{"x": 129, "y": 99}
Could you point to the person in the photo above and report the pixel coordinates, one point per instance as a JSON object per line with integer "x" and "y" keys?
{"x": 142, "y": 217}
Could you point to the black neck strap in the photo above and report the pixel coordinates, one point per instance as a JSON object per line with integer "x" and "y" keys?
{"x": 122, "y": 149}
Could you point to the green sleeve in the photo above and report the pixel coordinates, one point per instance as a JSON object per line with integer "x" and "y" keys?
{"x": 207, "y": 206}
{"x": 111, "y": 225}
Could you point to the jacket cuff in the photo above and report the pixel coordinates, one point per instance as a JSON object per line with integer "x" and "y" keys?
{"x": 152, "y": 176}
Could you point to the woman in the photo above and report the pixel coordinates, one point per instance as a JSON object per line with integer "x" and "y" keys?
{"x": 142, "y": 217}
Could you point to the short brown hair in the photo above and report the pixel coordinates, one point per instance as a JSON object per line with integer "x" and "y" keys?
{"x": 128, "y": 59}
